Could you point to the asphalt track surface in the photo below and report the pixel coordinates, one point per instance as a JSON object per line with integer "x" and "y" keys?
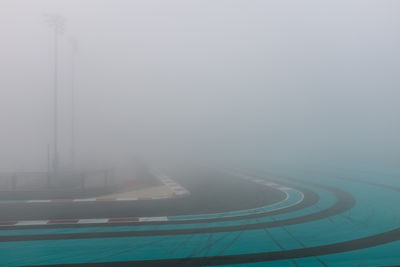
{"x": 210, "y": 192}
{"x": 341, "y": 221}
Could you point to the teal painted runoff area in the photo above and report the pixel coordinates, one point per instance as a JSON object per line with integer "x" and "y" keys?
{"x": 373, "y": 213}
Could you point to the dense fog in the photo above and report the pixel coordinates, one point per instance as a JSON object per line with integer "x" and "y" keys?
{"x": 272, "y": 82}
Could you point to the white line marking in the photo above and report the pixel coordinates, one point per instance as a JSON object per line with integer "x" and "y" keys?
{"x": 126, "y": 198}
{"x": 42, "y": 222}
{"x": 93, "y": 221}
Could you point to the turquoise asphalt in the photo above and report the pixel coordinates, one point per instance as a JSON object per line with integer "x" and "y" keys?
{"x": 374, "y": 212}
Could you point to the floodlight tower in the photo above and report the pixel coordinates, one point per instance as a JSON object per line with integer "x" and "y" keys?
{"x": 74, "y": 45}
{"x": 56, "y": 22}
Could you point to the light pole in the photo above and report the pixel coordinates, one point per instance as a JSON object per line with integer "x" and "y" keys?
{"x": 57, "y": 23}
{"x": 74, "y": 45}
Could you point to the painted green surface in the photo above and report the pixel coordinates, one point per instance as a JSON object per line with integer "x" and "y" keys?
{"x": 373, "y": 213}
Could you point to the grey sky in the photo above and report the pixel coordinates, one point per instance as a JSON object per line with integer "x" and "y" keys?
{"x": 219, "y": 79}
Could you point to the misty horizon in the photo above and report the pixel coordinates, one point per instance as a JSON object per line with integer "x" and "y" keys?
{"x": 225, "y": 81}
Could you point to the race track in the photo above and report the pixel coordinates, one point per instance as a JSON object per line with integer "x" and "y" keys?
{"x": 256, "y": 217}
